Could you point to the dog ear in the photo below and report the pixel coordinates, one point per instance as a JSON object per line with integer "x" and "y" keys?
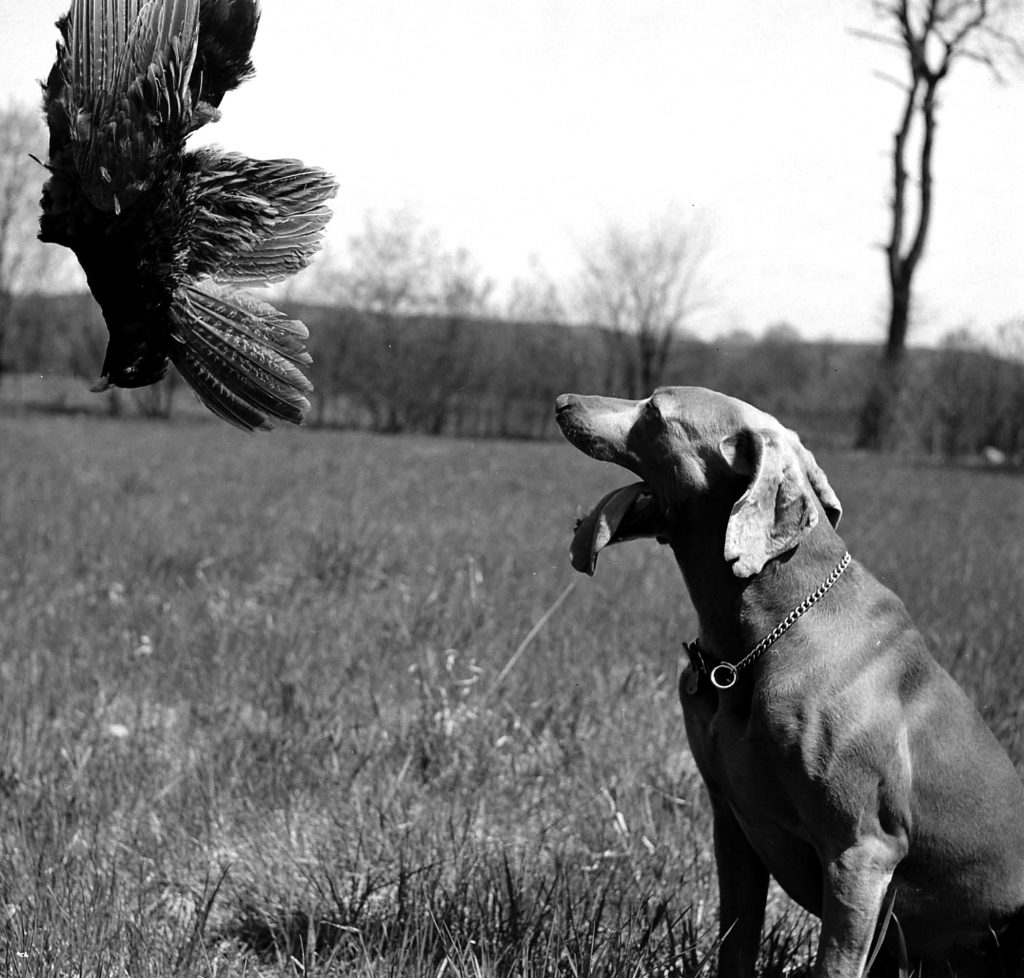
{"x": 778, "y": 509}
{"x": 630, "y": 513}
{"x": 818, "y": 480}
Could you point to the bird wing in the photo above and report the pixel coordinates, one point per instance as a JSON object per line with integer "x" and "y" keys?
{"x": 240, "y": 355}
{"x": 255, "y": 221}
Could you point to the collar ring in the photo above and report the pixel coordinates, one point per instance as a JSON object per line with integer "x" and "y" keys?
{"x": 723, "y": 676}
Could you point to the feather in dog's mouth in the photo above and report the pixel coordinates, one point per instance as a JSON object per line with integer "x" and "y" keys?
{"x": 627, "y": 513}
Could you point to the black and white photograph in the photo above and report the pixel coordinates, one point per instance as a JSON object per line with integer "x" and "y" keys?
{"x": 339, "y": 340}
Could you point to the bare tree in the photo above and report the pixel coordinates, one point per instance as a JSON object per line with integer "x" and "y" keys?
{"x": 1009, "y": 340}
{"x": 418, "y": 296}
{"x": 21, "y": 134}
{"x": 442, "y": 368}
{"x": 26, "y": 264}
{"x": 384, "y": 273}
{"x": 461, "y": 290}
{"x": 534, "y": 298}
{"x": 396, "y": 266}
{"x": 389, "y": 266}
{"x": 932, "y": 36}
{"x": 643, "y": 286}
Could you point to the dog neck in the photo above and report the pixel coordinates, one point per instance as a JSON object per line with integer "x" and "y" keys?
{"x": 736, "y": 613}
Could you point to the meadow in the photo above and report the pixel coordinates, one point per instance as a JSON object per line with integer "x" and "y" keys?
{"x": 317, "y": 703}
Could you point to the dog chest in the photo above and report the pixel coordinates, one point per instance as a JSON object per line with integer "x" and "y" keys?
{"x": 742, "y": 777}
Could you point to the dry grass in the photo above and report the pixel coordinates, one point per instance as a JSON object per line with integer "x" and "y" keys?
{"x": 250, "y": 723}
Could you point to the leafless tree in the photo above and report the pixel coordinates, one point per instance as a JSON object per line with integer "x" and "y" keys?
{"x": 21, "y": 134}
{"x": 932, "y": 36}
{"x": 461, "y": 290}
{"x": 396, "y": 266}
{"x": 1009, "y": 340}
{"x": 442, "y": 369}
{"x": 534, "y": 298}
{"x": 644, "y": 286}
{"x": 389, "y": 266}
{"x": 26, "y": 264}
{"x": 418, "y": 296}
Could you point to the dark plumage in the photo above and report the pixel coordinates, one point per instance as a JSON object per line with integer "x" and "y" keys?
{"x": 165, "y": 235}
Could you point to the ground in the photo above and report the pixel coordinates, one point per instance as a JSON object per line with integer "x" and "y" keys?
{"x": 267, "y": 704}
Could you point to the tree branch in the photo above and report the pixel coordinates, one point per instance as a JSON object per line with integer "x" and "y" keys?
{"x": 875, "y": 37}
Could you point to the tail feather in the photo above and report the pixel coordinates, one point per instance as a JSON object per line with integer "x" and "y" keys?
{"x": 240, "y": 356}
{"x": 118, "y": 99}
{"x": 112, "y": 42}
{"x": 161, "y": 26}
{"x": 98, "y": 37}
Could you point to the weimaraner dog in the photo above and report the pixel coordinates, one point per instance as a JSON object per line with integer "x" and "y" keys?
{"x": 840, "y": 758}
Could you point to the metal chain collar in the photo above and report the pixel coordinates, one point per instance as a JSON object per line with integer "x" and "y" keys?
{"x": 724, "y": 674}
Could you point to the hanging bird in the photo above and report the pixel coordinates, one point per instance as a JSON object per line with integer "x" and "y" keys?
{"x": 165, "y": 235}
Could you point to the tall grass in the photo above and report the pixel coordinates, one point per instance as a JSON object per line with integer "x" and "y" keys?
{"x": 267, "y": 704}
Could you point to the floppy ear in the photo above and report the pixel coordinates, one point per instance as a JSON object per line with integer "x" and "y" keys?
{"x": 624, "y": 514}
{"x": 818, "y": 480}
{"x": 778, "y": 509}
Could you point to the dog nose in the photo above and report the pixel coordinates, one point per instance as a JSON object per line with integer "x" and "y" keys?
{"x": 563, "y": 401}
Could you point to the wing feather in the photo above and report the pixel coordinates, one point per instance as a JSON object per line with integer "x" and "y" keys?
{"x": 256, "y": 221}
{"x": 240, "y": 355}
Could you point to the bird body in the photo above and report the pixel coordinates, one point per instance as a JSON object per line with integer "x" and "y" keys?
{"x": 166, "y": 236}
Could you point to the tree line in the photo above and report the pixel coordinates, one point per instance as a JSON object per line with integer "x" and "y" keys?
{"x": 464, "y": 376}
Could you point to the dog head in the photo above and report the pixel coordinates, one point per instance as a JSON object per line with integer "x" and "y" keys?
{"x": 688, "y": 444}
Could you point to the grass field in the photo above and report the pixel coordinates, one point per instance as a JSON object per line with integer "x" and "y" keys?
{"x": 277, "y": 705}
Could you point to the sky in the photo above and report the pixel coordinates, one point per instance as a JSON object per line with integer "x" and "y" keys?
{"x": 521, "y": 129}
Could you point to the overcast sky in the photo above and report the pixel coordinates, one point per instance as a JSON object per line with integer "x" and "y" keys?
{"x": 522, "y": 127}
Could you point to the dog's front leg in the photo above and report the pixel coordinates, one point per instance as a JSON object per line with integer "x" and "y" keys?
{"x": 743, "y": 890}
{"x": 855, "y": 884}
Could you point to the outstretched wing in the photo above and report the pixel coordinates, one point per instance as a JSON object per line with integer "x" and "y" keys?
{"x": 255, "y": 221}
{"x": 252, "y": 222}
{"x": 240, "y": 356}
